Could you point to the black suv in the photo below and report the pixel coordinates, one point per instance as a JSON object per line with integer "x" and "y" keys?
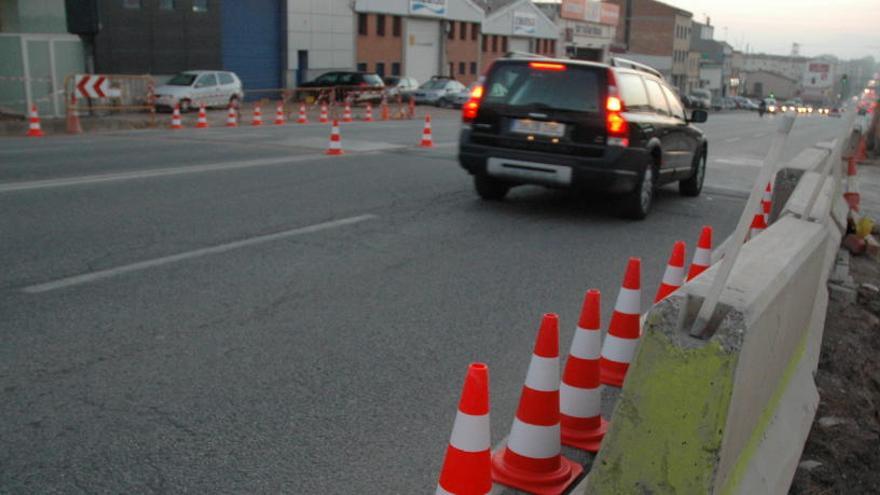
{"x": 614, "y": 128}
{"x": 365, "y": 86}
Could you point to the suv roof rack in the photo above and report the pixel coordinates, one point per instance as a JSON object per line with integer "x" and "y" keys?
{"x": 630, "y": 64}
{"x": 515, "y": 54}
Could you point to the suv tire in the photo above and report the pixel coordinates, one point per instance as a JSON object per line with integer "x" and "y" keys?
{"x": 490, "y": 189}
{"x": 637, "y": 204}
{"x": 693, "y": 185}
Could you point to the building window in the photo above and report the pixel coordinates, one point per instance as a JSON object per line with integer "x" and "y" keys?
{"x": 553, "y": 46}
{"x": 504, "y": 44}
{"x": 380, "y": 69}
{"x": 451, "y": 33}
{"x": 380, "y": 24}
{"x": 395, "y": 26}
{"x": 485, "y": 43}
{"x": 395, "y": 67}
{"x": 166, "y": 4}
{"x": 362, "y": 24}
{"x": 473, "y": 68}
{"x": 362, "y": 67}
{"x": 462, "y": 30}
{"x": 200, "y": 5}
{"x": 131, "y": 4}
{"x": 451, "y": 69}
{"x": 462, "y": 68}
{"x": 494, "y": 43}
{"x": 475, "y": 31}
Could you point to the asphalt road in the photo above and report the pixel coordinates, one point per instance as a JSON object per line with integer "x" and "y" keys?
{"x": 230, "y": 311}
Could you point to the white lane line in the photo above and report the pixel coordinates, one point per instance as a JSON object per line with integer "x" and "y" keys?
{"x": 198, "y": 253}
{"x": 742, "y": 162}
{"x": 732, "y": 140}
{"x": 159, "y": 172}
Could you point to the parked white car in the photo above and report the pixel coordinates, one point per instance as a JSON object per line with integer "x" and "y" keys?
{"x": 433, "y": 90}
{"x": 192, "y": 88}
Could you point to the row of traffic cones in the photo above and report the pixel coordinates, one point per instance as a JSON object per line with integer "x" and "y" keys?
{"x": 553, "y": 412}
{"x": 335, "y": 146}
{"x": 280, "y": 116}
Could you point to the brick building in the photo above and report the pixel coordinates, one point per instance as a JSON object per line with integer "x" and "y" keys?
{"x": 516, "y": 26}
{"x": 419, "y": 38}
{"x": 656, "y": 34}
{"x": 586, "y": 30}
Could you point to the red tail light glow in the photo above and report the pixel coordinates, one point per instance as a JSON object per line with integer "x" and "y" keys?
{"x": 469, "y": 110}
{"x": 616, "y": 126}
{"x": 546, "y": 66}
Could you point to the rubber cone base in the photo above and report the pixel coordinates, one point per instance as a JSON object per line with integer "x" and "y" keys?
{"x": 334, "y": 152}
{"x": 612, "y": 373}
{"x": 35, "y": 133}
{"x": 427, "y": 144}
{"x": 552, "y": 483}
{"x": 585, "y": 440}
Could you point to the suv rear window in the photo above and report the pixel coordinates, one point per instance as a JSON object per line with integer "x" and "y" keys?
{"x": 632, "y": 92}
{"x": 573, "y": 88}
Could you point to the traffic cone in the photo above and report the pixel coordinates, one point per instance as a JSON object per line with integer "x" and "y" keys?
{"x": 624, "y": 330}
{"x": 767, "y": 202}
{"x": 302, "y": 119}
{"x": 73, "y": 124}
{"x": 427, "y": 138}
{"x": 532, "y": 460}
{"x": 335, "y": 147}
{"x": 258, "y": 116}
{"x": 231, "y": 117}
{"x": 580, "y": 393}
{"x": 176, "y": 122}
{"x": 673, "y": 277}
{"x": 467, "y": 467}
{"x": 703, "y": 254}
{"x": 34, "y": 128}
{"x": 758, "y": 226}
{"x": 385, "y": 113}
{"x": 279, "y": 114}
{"x": 324, "y": 118}
{"x": 411, "y": 106}
{"x": 202, "y": 123}
{"x": 852, "y": 195}
{"x": 346, "y": 114}
{"x": 368, "y": 115}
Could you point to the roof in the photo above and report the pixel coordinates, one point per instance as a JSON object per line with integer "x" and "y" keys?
{"x": 772, "y": 73}
{"x": 490, "y": 6}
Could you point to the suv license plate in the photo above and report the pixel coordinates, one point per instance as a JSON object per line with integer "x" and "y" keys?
{"x": 528, "y": 126}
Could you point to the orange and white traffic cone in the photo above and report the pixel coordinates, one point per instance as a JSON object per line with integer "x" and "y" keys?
{"x": 386, "y": 115}
{"x": 624, "y": 330}
{"x": 467, "y": 467}
{"x": 324, "y": 118}
{"x": 767, "y": 202}
{"x": 758, "y": 226}
{"x": 673, "y": 277}
{"x": 852, "y": 194}
{"x": 279, "y": 114}
{"x": 335, "y": 147}
{"x": 703, "y": 254}
{"x": 258, "y": 116}
{"x": 202, "y": 123}
{"x": 34, "y": 128}
{"x": 580, "y": 393}
{"x": 73, "y": 124}
{"x": 427, "y": 137}
{"x": 231, "y": 117}
{"x": 368, "y": 114}
{"x": 411, "y": 108}
{"x": 346, "y": 114}
{"x": 302, "y": 119}
{"x": 532, "y": 460}
{"x": 176, "y": 122}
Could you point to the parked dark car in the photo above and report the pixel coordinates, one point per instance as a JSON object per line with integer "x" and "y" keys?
{"x": 587, "y": 126}
{"x": 365, "y": 86}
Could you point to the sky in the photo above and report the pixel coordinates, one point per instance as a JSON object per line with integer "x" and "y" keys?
{"x": 845, "y": 28}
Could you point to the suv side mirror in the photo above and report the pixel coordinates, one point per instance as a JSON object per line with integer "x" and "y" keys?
{"x": 698, "y": 116}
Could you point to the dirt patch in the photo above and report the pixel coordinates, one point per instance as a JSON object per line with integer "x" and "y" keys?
{"x": 842, "y": 454}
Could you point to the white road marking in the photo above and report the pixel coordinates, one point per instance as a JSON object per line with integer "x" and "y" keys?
{"x": 732, "y": 140}
{"x": 742, "y": 162}
{"x": 198, "y": 253}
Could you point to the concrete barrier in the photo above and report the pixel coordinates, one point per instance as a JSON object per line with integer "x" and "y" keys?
{"x": 789, "y": 175}
{"x": 731, "y": 414}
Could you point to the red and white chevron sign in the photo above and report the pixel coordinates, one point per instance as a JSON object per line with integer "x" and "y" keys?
{"x": 92, "y": 86}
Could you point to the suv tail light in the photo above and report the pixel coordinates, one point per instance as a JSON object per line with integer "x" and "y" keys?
{"x": 616, "y": 126}
{"x": 470, "y": 109}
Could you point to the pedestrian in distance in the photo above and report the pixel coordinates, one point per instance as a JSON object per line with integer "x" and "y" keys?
{"x": 762, "y": 107}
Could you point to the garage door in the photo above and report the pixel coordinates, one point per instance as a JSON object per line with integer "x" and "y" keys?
{"x": 519, "y": 45}
{"x": 422, "y": 54}
{"x": 253, "y": 45}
